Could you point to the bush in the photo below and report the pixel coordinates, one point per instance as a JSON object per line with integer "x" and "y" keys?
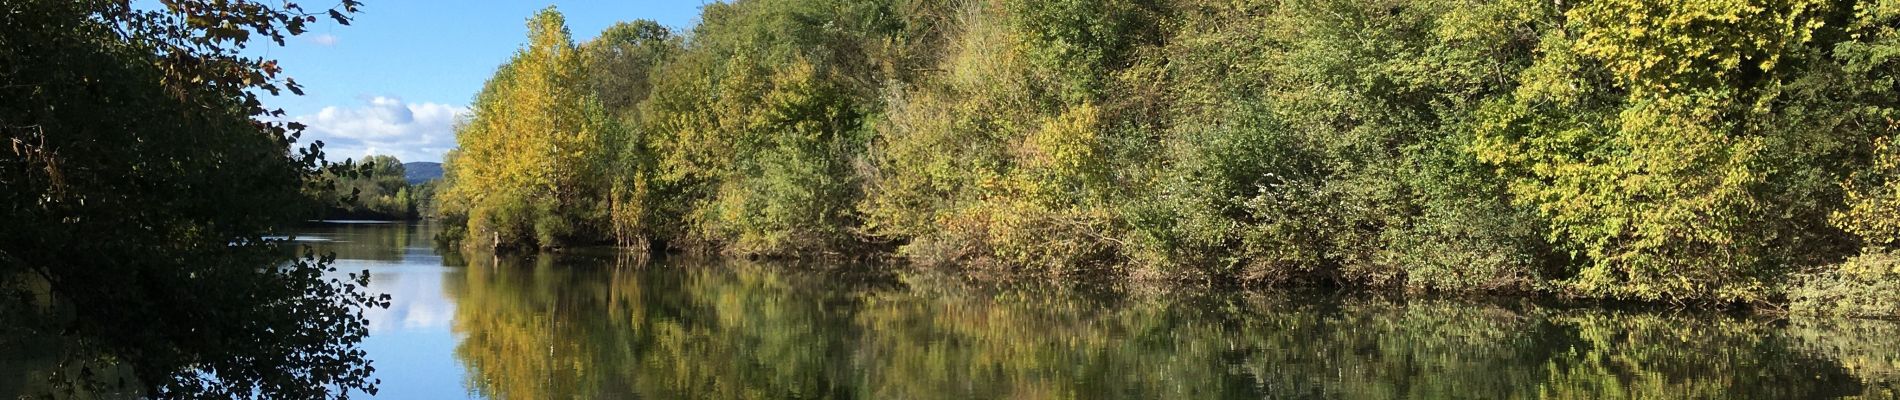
{"x": 1867, "y": 285}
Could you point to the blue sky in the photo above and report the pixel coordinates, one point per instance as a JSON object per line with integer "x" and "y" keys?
{"x": 394, "y": 81}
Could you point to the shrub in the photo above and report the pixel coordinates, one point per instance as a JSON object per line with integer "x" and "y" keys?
{"x": 1867, "y": 285}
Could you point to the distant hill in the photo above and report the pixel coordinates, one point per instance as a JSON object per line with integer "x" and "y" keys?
{"x": 422, "y": 171}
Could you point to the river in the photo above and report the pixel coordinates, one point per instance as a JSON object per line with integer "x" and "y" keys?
{"x": 596, "y": 324}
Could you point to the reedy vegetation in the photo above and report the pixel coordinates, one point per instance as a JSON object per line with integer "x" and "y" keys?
{"x": 1728, "y": 151}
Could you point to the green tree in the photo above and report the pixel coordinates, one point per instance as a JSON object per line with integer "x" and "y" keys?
{"x": 620, "y": 61}
{"x": 1322, "y": 144}
{"x": 758, "y": 124}
{"x": 620, "y": 64}
{"x": 378, "y": 189}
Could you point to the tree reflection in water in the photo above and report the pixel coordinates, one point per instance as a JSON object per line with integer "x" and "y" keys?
{"x": 588, "y": 325}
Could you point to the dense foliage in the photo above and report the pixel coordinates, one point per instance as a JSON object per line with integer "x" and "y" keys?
{"x": 377, "y": 190}
{"x": 1727, "y": 151}
{"x": 530, "y": 161}
{"x": 143, "y": 192}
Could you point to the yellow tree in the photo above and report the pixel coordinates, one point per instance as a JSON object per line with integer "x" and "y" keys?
{"x": 529, "y": 165}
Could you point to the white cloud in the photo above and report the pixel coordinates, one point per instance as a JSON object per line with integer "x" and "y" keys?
{"x": 324, "y": 39}
{"x": 387, "y": 126}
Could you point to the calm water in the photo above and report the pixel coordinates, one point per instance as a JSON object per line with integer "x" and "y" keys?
{"x": 595, "y": 326}
{"x": 592, "y": 325}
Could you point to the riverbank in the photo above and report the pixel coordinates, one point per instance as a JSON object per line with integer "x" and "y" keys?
{"x": 1865, "y": 288}
{"x": 1423, "y": 145}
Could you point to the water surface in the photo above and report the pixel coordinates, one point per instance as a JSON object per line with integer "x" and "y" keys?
{"x": 596, "y": 324}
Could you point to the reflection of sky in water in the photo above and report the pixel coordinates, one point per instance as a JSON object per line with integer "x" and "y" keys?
{"x": 411, "y": 342}
{"x": 416, "y": 298}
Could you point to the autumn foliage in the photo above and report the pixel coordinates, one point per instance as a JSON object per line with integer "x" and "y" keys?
{"x": 1719, "y": 151}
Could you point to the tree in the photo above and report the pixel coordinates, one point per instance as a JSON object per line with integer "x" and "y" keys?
{"x": 529, "y": 168}
{"x": 378, "y": 189}
{"x": 620, "y": 64}
{"x": 1711, "y": 151}
{"x": 145, "y": 197}
{"x": 1684, "y": 155}
{"x": 757, "y": 124}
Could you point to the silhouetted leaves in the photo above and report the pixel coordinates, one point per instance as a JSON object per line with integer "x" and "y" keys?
{"x": 146, "y": 192}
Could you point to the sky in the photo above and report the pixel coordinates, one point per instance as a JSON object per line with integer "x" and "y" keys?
{"x": 397, "y": 78}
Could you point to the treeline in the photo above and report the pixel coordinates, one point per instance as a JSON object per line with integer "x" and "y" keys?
{"x": 374, "y": 188}
{"x": 1730, "y": 151}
